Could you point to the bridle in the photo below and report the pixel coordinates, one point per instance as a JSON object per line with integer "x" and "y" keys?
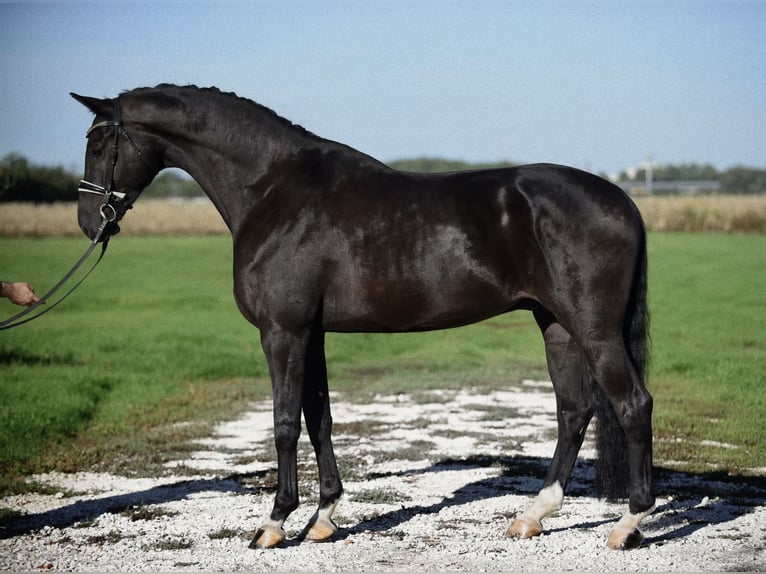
{"x": 109, "y": 190}
{"x": 108, "y": 213}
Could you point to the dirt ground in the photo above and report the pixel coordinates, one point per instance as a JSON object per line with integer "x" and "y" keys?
{"x": 431, "y": 481}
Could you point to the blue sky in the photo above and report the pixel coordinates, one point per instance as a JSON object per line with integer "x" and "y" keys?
{"x": 598, "y": 85}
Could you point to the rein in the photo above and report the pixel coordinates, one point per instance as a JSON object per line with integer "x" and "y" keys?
{"x": 18, "y": 319}
{"x": 108, "y": 215}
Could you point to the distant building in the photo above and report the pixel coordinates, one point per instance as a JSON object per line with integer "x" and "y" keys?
{"x": 690, "y": 187}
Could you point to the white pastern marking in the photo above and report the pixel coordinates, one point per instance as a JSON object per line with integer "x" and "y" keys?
{"x": 325, "y": 514}
{"x": 548, "y": 500}
{"x": 629, "y": 521}
{"x": 271, "y": 524}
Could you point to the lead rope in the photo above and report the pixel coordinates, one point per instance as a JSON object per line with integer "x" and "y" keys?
{"x": 18, "y": 319}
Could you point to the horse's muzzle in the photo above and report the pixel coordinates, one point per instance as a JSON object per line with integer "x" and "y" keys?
{"x": 99, "y": 210}
{"x": 98, "y": 220}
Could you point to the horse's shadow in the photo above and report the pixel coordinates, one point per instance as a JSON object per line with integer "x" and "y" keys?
{"x": 83, "y": 511}
{"x": 694, "y": 500}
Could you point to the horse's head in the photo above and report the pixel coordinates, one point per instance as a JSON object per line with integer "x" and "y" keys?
{"x": 119, "y": 165}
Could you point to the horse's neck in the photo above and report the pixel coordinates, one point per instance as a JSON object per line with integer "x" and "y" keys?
{"x": 228, "y": 174}
{"x": 215, "y": 179}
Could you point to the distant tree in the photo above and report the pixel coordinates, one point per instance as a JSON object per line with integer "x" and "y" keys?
{"x": 173, "y": 184}
{"x": 681, "y": 172}
{"x": 744, "y": 180}
{"x": 22, "y": 181}
{"x": 13, "y": 168}
{"x": 435, "y": 164}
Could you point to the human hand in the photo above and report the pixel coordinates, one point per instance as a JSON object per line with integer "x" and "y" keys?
{"x": 20, "y": 293}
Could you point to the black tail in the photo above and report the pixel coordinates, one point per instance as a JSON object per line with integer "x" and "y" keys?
{"x": 612, "y": 473}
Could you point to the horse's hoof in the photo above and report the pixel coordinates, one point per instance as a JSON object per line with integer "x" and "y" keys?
{"x": 621, "y": 539}
{"x": 268, "y": 537}
{"x": 321, "y": 531}
{"x": 524, "y": 528}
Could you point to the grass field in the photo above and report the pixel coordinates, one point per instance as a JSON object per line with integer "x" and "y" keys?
{"x": 154, "y": 338}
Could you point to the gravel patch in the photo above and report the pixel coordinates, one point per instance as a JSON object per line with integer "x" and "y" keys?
{"x": 431, "y": 481}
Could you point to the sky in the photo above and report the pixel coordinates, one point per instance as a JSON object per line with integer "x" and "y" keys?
{"x": 600, "y": 85}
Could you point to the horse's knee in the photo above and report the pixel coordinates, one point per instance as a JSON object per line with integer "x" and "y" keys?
{"x": 286, "y": 434}
{"x": 574, "y": 423}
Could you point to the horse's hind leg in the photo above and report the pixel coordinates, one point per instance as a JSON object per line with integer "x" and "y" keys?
{"x": 316, "y": 410}
{"x": 573, "y": 412}
{"x": 613, "y": 369}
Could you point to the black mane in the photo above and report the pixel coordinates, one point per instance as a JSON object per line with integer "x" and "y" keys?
{"x": 216, "y": 92}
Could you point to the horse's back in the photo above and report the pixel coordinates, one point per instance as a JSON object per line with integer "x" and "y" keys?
{"x": 434, "y": 251}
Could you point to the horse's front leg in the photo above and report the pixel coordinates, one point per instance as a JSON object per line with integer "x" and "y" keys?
{"x": 286, "y": 355}
{"x": 316, "y": 410}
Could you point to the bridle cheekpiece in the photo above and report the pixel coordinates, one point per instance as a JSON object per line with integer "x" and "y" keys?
{"x": 109, "y": 189}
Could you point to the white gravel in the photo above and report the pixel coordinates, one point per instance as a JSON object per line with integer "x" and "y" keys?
{"x": 446, "y": 512}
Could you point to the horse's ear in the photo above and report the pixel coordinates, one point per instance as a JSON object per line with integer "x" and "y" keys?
{"x": 95, "y": 105}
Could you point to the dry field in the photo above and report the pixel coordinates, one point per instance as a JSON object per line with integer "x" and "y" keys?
{"x": 148, "y": 217}
{"x": 717, "y": 213}
{"x": 713, "y": 213}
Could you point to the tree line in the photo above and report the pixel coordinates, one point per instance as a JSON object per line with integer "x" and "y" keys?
{"x": 21, "y": 180}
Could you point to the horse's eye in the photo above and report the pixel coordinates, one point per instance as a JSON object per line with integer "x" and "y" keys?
{"x": 97, "y": 152}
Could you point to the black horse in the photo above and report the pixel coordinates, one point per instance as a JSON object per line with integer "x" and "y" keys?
{"x": 329, "y": 239}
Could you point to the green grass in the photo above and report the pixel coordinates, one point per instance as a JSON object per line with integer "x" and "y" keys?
{"x": 708, "y": 371}
{"x": 154, "y": 338}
